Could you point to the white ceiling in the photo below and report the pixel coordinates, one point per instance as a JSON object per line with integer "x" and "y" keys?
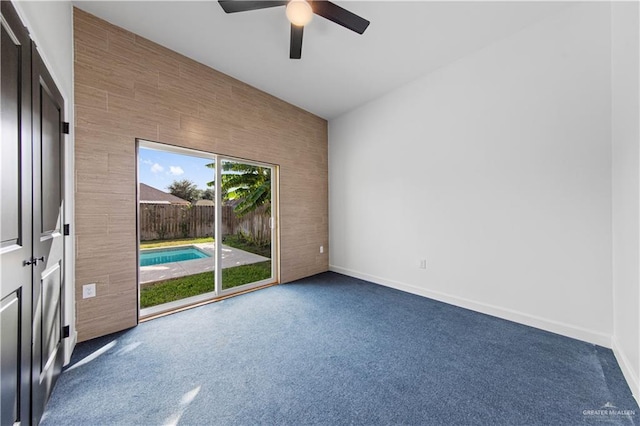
{"x": 339, "y": 69}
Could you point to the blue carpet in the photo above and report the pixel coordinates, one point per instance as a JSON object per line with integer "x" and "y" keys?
{"x": 335, "y": 350}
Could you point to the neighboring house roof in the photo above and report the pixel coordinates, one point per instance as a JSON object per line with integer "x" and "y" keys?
{"x": 151, "y": 195}
{"x": 205, "y": 203}
{"x": 232, "y": 203}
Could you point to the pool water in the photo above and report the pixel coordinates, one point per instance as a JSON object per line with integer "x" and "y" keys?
{"x": 158, "y": 257}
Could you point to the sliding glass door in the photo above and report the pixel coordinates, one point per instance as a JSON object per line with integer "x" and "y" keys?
{"x": 247, "y": 220}
{"x": 207, "y": 226}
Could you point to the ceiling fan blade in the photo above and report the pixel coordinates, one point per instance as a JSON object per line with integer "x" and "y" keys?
{"x": 232, "y": 6}
{"x": 340, "y": 16}
{"x": 295, "y": 49}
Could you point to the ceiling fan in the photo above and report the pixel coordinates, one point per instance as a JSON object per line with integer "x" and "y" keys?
{"x": 299, "y": 13}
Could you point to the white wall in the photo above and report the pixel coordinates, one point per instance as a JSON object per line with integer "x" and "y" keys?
{"x": 625, "y": 86}
{"x": 497, "y": 170}
{"x": 50, "y": 24}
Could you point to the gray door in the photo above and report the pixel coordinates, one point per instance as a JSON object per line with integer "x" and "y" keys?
{"x": 15, "y": 217}
{"x": 48, "y": 238}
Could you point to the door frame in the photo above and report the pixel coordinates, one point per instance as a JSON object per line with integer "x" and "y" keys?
{"x": 275, "y": 226}
{"x": 218, "y": 293}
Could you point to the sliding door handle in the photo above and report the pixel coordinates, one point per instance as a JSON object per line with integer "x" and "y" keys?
{"x": 33, "y": 261}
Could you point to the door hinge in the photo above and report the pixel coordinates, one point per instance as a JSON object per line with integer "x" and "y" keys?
{"x": 66, "y": 229}
{"x": 65, "y": 331}
{"x": 65, "y": 127}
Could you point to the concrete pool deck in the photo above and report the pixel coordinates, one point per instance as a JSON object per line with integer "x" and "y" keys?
{"x": 230, "y": 257}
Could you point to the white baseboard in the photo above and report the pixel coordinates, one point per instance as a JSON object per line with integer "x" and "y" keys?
{"x": 69, "y": 346}
{"x": 597, "y": 338}
{"x": 632, "y": 377}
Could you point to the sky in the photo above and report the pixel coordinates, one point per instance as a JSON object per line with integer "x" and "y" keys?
{"x": 160, "y": 168}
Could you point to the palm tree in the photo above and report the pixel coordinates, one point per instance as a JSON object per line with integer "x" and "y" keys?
{"x": 250, "y": 185}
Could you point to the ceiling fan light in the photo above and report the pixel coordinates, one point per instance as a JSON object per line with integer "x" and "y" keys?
{"x": 299, "y": 12}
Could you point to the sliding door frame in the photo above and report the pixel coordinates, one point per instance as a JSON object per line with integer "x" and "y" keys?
{"x": 218, "y": 292}
{"x": 273, "y": 221}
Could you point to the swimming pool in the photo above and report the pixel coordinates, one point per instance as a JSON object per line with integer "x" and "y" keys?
{"x": 170, "y": 255}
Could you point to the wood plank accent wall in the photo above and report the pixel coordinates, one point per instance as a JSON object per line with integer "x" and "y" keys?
{"x": 127, "y": 87}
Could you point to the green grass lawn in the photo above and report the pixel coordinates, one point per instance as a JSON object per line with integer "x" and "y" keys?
{"x": 192, "y": 285}
{"x": 236, "y": 241}
{"x": 178, "y": 242}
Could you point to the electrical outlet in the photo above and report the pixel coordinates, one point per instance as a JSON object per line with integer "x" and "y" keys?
{"x": 88, "y": 290}
{"x": 423, "y": 263}
{"x": 321, "y": 249}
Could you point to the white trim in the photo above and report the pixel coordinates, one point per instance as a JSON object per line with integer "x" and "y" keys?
{"x": 627, "y": 371}
{"x": 597, "y": 338}
{"x": 175, "y": 149}
{"x": 176, "y": 304}
{"x": 633, "y": 381}
{"x": 69, "y": 214}
{"x": 248, "y": 286}
{"x": 217, "y": 224}
{"x": 70, "y": 344}
{"x": 274, "y": 223}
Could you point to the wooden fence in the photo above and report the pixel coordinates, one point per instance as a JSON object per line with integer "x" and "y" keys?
{"x": 168, "y": 221}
